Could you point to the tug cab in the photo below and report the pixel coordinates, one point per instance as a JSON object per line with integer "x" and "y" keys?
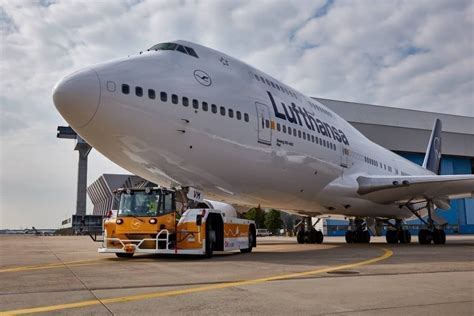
{"x": 152, "y": 220}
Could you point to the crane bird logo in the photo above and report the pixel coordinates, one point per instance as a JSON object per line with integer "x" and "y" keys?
{"x": 437, "y": 147}
{"x": 202, "y": 77}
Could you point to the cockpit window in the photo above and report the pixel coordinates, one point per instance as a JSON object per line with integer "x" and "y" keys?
{"x": 173, "y": 46}
{"x": 164, "y": 46}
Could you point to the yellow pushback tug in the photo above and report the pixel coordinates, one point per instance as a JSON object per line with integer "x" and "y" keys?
{"x": 149, "y": 221}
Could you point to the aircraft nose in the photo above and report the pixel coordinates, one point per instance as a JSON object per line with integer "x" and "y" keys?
{"x": 77, "y": 97}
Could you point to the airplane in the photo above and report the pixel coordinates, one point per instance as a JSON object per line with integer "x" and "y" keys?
{"x": 187, "y": 116}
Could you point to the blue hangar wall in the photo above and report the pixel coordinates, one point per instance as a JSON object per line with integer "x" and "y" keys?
{"x": 460, "y": 216}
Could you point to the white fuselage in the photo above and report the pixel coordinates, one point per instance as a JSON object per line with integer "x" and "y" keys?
{"x": 252, "y": 162}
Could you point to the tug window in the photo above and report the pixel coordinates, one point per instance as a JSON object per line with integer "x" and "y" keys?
{"x": 139, "y": 91}
{"x": 239, "y": 115}
{"x": 185, "y": 101}
{"x": 163, "y": 96}
{"x": 151, "y": 94}
{"x": 125, "y": 89}
{"x": 174, "y": 99}
{"x": 205, "y": 107}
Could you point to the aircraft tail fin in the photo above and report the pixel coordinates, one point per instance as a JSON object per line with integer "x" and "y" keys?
{"x": 432, "y": 160}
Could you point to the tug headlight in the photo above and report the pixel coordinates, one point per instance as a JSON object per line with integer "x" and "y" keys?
{"x": 152, "y": 220}
{"x": 119, "y": 221}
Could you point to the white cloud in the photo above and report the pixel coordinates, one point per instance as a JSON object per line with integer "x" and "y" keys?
{"x": 413, "y": 54}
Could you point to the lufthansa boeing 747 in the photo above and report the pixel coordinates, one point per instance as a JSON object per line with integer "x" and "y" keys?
{"x": 187, "y": 116}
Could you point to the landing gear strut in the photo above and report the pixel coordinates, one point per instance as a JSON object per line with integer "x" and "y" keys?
{"x": 396, "y": 234}
{"x": 431, "y": 233}
{"x": 358, "y": 232}
{"x": 307, "y": 233}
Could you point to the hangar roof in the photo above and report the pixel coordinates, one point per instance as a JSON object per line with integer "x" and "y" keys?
{"x": 404, "y": 129}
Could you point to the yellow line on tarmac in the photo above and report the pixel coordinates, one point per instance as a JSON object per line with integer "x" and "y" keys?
{"x": 387, "y": 254}
{"x": 52, "y": 265}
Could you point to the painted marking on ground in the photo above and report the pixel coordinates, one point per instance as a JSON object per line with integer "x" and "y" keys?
{"x": 52, "y": 265}
{"x": 387, "y": 253}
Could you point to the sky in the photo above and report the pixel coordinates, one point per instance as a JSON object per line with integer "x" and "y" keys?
{"x": 409, "y": 54}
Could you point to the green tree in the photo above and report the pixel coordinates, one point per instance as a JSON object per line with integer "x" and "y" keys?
{"x": 273, "y": 221}
{"x": 258, "y": 215}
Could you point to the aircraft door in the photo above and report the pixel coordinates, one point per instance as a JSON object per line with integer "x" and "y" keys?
{"x": 264, "y": 124}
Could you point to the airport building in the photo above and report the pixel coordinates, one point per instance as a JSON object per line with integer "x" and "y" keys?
{"x": 407, "y": 132}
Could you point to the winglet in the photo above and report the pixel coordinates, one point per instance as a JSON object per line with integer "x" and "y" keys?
{"x": 433, "y": 152}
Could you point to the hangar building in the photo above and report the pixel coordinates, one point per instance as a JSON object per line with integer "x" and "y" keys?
{"x": 407, "y": 132}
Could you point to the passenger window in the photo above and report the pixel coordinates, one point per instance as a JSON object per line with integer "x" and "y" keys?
{"x": 231, "y": 113}
{"x": 284, "y": 128}
{"x": 246, "y": 117}
{"x": 324, "y": 142}
{"x": 289, "y": 130}
{"x": 262, "y": 79}
{"x": 205, "y": 107}
{"x": 256, "y": 77}
{"x": 239, "y": 115}
{"x": 222, "y": 110}
{"x": 214, "y": 108}
{"x": 163, "y": 96}
{"x": 268, "y": 82}
{"x": 294, "y": 132}
{"x": 304, "y": 135}
{"x": 174, "y": 99}
{"x": 312, "y": 138}
{"x": 273, "y": 85}
{"x": 299, "y": 133}
{"x": 151, "y": 94}
{"x": 138, "y": 91}
{"x": 185, "y": 101}
{"x": 195, "y": 104}
{"x": 125, "y": 89}
{"x": 317, "y": 140}
{"x": 278, "y": 127}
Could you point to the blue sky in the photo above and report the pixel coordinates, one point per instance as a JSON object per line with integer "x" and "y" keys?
{"x": 408, "y": 54}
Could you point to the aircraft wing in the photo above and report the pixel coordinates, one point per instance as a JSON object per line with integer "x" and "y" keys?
{"x": 400, "y": 189}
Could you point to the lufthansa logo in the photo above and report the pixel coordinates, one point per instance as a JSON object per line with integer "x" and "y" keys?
{"x": 136, "y": 224}
{"x": 202, "y": 77}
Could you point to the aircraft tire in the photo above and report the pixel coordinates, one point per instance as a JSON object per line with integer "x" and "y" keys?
{"x": 312, "y": 236}
{"x": 391, "y": 237}
{"x": 424, "y": 237}
{"x": 439, "y": 237}
{"x": 319, "y": 237}
{"x": 404, "y": 236}
{"x": 349, "y": 237}
{"x": 300, "y": 237}
{"x": 365, "y": 237}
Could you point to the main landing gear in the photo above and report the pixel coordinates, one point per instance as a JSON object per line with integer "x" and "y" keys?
{"x": 307, "y": 233}
{"x": 358, "y": 232}
{"x": 431, "y": 233}
{"x": 396, "y": 234}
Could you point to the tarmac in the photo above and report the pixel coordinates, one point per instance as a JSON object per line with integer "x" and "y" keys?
{"x": 59, "y": 275}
